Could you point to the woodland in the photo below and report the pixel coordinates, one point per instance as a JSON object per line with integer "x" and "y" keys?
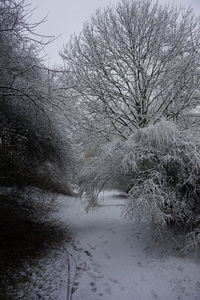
{"x": 120, "y": 114}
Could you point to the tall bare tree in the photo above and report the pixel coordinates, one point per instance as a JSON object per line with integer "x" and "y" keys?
{"x": 132, "y": 65}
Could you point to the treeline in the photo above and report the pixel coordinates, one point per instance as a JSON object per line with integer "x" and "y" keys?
{"x": 35, "y": 154}
{"x": 32, "y": 149}
{"x": 37, "y": 159}
{"x": 124, "y": 97}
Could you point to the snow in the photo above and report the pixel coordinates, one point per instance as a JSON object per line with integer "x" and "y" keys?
{"x": 116, "y": 261}
{"x": 110, "y": 259}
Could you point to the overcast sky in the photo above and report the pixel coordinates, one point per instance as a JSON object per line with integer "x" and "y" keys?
{"x": 64, "y": 17}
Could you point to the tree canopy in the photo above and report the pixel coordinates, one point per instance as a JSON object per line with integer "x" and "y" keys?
{"x": 132, "y": 65}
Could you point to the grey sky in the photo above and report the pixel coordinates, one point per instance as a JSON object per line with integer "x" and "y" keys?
{"x": 64, "y": 17}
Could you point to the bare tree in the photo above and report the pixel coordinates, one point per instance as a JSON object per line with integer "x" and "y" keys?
{"x": 33, "y": 150}
{"x": 132, "y": 65}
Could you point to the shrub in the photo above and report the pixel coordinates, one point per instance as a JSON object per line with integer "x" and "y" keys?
{"x": 33, "y": 151}
{"x": 159, "y": 168}
{"x": 104, "y": 172}
{"x": 165, "y": 163}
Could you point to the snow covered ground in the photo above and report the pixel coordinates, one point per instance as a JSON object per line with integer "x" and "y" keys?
{"x": 115, "y": 261}
{"x": 110, "y": 259}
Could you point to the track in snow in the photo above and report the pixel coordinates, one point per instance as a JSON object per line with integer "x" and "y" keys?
{"x": 115, "y": 261}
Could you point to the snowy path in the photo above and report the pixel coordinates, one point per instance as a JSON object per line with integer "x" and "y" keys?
{"x": 115, "y": 263}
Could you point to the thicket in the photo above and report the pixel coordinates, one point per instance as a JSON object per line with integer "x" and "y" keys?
{"x": 37, "y": 159}
{"x": 159, "y": 169}
{"x": 33, "y": 150}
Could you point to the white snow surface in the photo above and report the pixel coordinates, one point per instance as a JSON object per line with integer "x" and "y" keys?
{"x": 115, "y": 260}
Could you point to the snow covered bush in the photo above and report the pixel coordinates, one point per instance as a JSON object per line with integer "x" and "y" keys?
{"x": 165, "y": 162}
{"x": 159, "y": 168}
{"x": 104, "y": 172}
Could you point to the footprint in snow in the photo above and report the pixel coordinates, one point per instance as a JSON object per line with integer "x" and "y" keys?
{"x": 113, "y": 280}
{"x": 100, "y": 237}
{"x": 96, "y": 264}
{"x": 88, "y": 253}
{"x": 197, "y": 286}
{"x": 95, "y": 276}
{"x": 97, "y": 270}
{"x": 100, "y": 295}
{"x": 93, "y": 247}
{"x": 93, "y": 286}
{"x": 154, "y": 295}
{"x": 108, "y": 290}
{"x": 105, "y": 242}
